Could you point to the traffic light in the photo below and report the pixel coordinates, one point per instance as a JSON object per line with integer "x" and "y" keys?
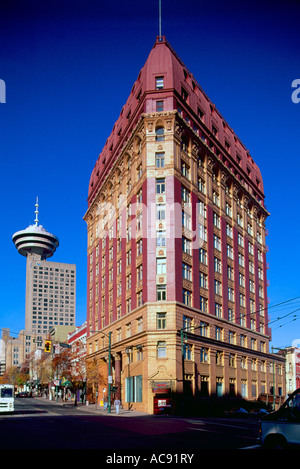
{"x": 47, "y": 346}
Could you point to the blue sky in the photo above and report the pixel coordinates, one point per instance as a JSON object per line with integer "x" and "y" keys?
{"x": 69, "y": 67}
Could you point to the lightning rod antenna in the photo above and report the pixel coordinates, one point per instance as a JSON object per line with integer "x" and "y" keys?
{"x": 159, "y": 18}
{"x": 36, "y": 212}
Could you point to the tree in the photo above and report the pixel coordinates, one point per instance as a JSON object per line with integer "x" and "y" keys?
{"x": 16, "y": 376}
{"x": 94, "y": 378}
{"x": 69, "y": 366}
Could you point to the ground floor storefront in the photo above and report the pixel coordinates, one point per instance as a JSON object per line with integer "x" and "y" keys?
{"x": 157, "y": 373}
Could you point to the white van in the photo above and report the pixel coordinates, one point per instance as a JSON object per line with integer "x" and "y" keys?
{"x": 6, "y": 398}
{"x": 281, "y": 428}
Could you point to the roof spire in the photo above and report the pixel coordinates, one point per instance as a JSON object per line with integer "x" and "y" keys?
{"x": 36, "y": 212}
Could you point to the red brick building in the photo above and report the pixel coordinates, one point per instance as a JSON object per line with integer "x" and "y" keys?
{"x": 177, "y": 269}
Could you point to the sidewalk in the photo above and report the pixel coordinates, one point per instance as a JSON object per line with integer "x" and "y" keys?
{"x": 96, "y": 409}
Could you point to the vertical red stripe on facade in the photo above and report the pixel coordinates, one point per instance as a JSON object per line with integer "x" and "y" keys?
{"x": 210, "y": 255}
{"x": 195, "y": 228}
{"x": 224, "y": 268}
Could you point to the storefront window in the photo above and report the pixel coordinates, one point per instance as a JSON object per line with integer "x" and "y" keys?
{"x": 133, "y": 389}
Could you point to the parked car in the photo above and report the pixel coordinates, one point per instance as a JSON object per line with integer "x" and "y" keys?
{"x": 259, "y": 413}
{"x": 236, "y": 412}
{"x": 281, "y": 428}
{"x": 22, "y": 394}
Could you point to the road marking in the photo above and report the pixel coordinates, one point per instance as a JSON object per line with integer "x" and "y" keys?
{"x": 196, "y": 422}
{"x": 42, "y": 414}
{"x": 252, "y": 447}
{"x": 199, "y": 422}
{"x": 203, "y": 430}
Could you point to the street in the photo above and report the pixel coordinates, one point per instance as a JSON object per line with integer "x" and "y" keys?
{"x": 43, "y": 424}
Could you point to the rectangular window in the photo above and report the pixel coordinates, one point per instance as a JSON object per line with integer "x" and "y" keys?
{"x": 186, "y": 246}
{"x": 218, "y": 310}
{"x": 133, "y": 389}
{"x": 139, "y": 171}
{"x": 160, "y": 212}
{"x": 186, "y": 220}
{"x": 219, "y": 357}
{"x": 187, "y": 324}
{"x": 203, "y": 355}
{"x": 217, "y": 243}
{"x": 139, "y": 247}
{"x": 218, "y": 265}
{"x": 232, "y": 359}
{"x": 161, "y": 266}
{"x": 229, "y": 231}
{"x": 139, "y": 273}
{"x": 203, "y": 280}
{"x": 216, "y": 220}
{"x": 185, "y": 195}
{"x": 185, "y": 170}
{"x": 203, "y": 256}
{"x": 187, "y": 352}
{"x": 161, "y": 292}
{"x": 161, "y": 349}
{"x": 203, "y": 329}
{"x": 161, "y": 319}
{"x": 140, "y": 324}
{"x": 184, "y": 94}
{"x": 218, "y": 287}
{"x": 216, "y": 199}
{"x": 244, "y": 389}
{"x": 160, "y": 160}
{"x": 187, "y": 297}
{"x": 160, "y": 186}
{"x": 203, "y": 304}
{"x": 159, "y": 106}
{"x": 161, "y": 239}
{"x": 230, "y": 315}
{"x": 186, "y": 271}
{"x": 201, "y": 185}
{"x": 159, "y": 82}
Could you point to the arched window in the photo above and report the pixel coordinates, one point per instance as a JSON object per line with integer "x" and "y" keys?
{"x": 159, "y": 134}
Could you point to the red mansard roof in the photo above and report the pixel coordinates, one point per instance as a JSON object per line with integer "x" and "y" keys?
{"x": 164, "y": 62}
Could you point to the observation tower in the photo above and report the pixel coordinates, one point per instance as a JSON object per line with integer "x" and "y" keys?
{"x": 44, "y": 310}
{"x": 36, "y": 240}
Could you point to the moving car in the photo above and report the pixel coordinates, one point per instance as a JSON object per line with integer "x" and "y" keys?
{"x": 281, "y": 429}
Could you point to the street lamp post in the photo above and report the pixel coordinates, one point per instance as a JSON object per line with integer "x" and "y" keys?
{"x": 109, "y": 371}
{"x": 274, "y": 382}
{"x": 183, "y": 339}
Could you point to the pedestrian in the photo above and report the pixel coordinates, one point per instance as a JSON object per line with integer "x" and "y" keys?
{"x": 117, "y": 405}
